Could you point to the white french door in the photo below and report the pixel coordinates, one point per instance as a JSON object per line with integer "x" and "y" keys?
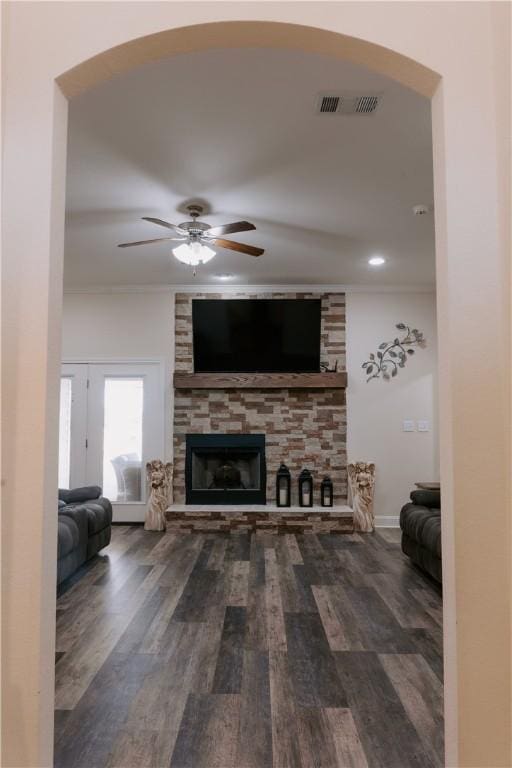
{"x": 111, "y": 423}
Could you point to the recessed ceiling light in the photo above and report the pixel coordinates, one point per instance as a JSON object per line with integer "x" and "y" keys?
{"x": 376, "y": 261}
{"x": 224, "y": 276}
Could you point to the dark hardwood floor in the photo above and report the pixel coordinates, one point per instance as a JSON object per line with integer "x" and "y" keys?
{"x": 249, "y": 651}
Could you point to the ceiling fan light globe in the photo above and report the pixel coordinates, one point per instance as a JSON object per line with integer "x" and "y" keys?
{"x": 193, "y": 254}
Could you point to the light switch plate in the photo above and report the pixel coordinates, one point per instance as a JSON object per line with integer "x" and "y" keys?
{"x": 408, "y": 425}
{"x": 423, "y": 425}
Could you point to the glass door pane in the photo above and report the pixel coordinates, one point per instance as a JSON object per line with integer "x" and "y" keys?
{"x": 122, "y": 439}
{"x": 65, "y": 432}
{"x": 125, "y": 429}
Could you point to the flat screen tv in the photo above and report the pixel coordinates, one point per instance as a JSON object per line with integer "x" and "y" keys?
{"x": 256, "y": 335}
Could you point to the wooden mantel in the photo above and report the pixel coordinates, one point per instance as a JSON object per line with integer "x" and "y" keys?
{"x": 260, "y": 380}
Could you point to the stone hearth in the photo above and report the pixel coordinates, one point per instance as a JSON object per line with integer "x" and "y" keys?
{"x": 268, "y": 518}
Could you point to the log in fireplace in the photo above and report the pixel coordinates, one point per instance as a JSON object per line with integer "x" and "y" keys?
{"x": 225, "y": 469}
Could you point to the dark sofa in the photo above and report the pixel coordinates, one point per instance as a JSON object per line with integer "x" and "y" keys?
{"x": 420, "y": 521}
{"x": 84, "y": 527}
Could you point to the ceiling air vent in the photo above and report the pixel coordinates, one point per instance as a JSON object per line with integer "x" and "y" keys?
{"x": 329, "y": 104}
{"x": 367, "y": 104}
{"x": 348, "y": 103}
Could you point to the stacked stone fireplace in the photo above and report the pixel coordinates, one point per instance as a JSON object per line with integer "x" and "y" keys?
{"x": 301, "y": 427}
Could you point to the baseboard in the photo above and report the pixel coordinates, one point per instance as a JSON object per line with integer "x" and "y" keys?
{"x": 126, "y": 517}
{"x": 387, "y": 521}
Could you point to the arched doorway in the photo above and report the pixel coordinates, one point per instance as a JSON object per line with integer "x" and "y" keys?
{"x": 459, "y": 458}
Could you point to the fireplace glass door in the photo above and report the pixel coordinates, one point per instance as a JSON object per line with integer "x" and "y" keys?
{"x": 225, "y": 469}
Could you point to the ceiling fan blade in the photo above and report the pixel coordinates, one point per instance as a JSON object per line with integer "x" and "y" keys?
{"x": 228, "y": 229}
{"x": 146, "y": 242}
{"x": 241, "y": 247}
{"x": 162, "y": 223}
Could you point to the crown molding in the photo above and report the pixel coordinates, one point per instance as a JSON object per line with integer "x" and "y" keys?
{"x": 236, "y": 288}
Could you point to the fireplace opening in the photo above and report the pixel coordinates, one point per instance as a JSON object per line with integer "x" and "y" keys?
{"x": 225, "y": 469}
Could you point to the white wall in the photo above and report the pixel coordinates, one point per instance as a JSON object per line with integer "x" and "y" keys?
{"x": 109, "y": 326}
{"x": 376, "y": 410}
{"x": 122, "y": 326}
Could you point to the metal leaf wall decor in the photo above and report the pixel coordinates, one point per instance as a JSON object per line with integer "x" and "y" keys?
{"x": 393, "y": 355}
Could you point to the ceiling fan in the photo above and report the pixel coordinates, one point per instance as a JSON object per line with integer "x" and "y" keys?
{"x": 196, "y": 237}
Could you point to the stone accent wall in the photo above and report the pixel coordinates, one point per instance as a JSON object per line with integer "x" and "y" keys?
{"x": 303, "y": 428}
